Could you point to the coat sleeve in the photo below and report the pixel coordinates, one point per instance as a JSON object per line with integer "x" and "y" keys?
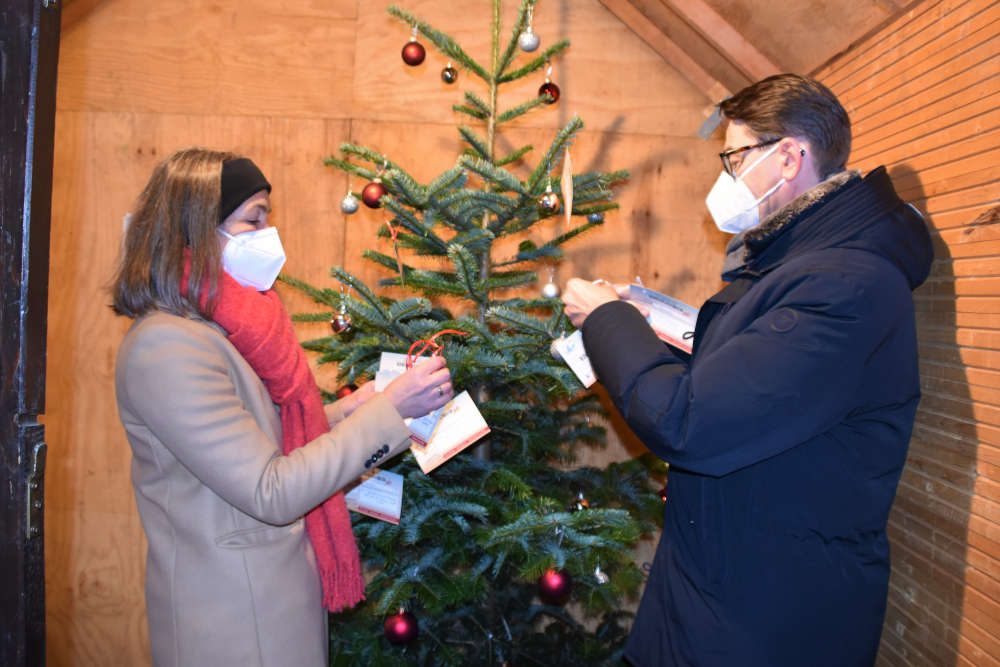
{"x": 787, "y": 376}
{"x": 180, "y": 389}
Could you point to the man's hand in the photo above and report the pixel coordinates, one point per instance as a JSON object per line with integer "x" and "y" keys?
{"x": 581, "y": 297}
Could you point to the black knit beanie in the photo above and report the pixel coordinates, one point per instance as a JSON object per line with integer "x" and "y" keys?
{"x": 240, "y": 179}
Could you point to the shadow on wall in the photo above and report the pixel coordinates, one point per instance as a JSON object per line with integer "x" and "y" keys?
{"x": 928, "y": 526}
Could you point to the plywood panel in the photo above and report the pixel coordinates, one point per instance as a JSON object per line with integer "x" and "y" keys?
{"x": 234, "y": 57}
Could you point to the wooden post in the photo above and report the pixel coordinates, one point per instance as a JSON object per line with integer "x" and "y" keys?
{"x": 29, "y": 51}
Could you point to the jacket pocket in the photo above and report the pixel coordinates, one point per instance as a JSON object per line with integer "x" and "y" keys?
{"x": 248, "y": 538}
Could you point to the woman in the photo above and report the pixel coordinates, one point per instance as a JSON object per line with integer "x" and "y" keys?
{"x": 236, "y": 464}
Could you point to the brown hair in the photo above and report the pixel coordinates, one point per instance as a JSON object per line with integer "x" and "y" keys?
{"x": 178, "y": 208}
{"x": 791, "y": 105}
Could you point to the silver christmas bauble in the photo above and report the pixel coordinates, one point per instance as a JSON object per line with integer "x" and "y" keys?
{"x": 349, "y": 204}
{"x": 550, "y": 290}
{"x": 340, "y": 323}
{"x": 596, "y": 217}
{"x": 528, "y": 40}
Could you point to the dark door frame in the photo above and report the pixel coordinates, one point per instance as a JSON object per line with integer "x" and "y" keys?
{"x": 29, "y": 53}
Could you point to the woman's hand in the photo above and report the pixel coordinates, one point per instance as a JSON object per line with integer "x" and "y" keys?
{"x": 356, "y": 398}
{"x": 421, "y": 389}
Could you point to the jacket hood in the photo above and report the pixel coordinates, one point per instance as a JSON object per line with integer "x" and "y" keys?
{"x": 845, "y": 211}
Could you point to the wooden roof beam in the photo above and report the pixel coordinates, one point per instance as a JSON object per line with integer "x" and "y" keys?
{"x": 725, "y": 38}
{"x": 626, "y": 12}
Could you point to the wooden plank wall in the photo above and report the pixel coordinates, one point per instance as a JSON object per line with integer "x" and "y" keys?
{"x": 924, "y": 97}
{"x": 287, "y": 81}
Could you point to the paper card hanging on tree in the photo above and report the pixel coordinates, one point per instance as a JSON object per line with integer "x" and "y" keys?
{"x": 575, "y": 356}
{"x": 379, "y": 495}
{"x": 391, "y": 365}
{"x": 460, "y": 425}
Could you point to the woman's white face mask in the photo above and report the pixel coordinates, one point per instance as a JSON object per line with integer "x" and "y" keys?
{"x": 254, "y": 259}
{"x": 731, "y": 203}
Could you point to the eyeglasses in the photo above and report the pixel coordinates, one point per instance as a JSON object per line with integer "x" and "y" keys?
{"x": 727, "y": 156}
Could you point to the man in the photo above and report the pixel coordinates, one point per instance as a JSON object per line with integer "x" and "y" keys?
{"x": 787, "y": 428}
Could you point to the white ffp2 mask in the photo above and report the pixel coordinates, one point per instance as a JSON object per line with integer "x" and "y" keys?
{"x": 732, "y": 204}
{"x": 254, "y": 259}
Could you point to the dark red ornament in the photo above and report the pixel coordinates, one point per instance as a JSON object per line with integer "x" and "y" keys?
{"x": 346, "y": 390}
{"x": 372, "y": 193}
{"x": 663, "y": 494}
{"x": 401, "y": 628}
{"x": 414, "y": 53}
{"x": 555, "y": 586}
{"x": 550, "y": 92}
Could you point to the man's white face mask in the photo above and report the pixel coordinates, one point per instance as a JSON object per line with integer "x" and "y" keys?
{"x": 732, "y": 204}
{"x": 254, "y": 259}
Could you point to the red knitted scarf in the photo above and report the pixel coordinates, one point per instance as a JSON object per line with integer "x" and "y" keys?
{"x": 260, "y": 329}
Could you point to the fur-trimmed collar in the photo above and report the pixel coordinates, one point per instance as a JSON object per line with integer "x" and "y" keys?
{"x": 780, "y": 219}
{"x": 737, "y": 250}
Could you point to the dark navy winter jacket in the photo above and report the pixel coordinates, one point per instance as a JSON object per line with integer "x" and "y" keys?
{"x": 786, "y": 433}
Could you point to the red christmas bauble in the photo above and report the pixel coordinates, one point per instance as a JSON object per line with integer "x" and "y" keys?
{"x": 550, "y": 92}
{"x": 555, "y": 586}
{"x": 414, "y": 53}
{"x": 372, "y": 193}
{"x": 401, "y": 628}
{"x": 663, "y": 494}
{"x": 346, "y": 390}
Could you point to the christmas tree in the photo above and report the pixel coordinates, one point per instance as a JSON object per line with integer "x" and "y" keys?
{"x": 506, "y": 554}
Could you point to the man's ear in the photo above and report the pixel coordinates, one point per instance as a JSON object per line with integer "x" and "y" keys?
{"x": 795, "y": 157}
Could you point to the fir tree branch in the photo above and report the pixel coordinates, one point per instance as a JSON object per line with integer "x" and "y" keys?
{"x": 466, "y": 271}
{"x": 469, "y": 111}
{"x": 476, "y": 240}
{"x": 521, "y": 109}
{"x": 545, "y": 251}
{"x": 563, "y": 138}
{"x": 475, "y": 141}
{"x": 501, "y": 177}
{"x": 325, "y": 297}
{"x": 519, "y": 25}
{"x": 478, "y": 103}
{"x": 452, "y": 179}
{"x": 519, "y": 321}
{"x": 443, "y": 42}
{"x": 536, "y": 64}
{"x": 514, "y": 156}
{"x": 510, "y": 279}
{"x": 374, "y": 157}
{"x": 405, "y": 188}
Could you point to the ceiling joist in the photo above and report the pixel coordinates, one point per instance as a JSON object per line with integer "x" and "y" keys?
{"x": 627, "y": 13}
{"x": 725, "y": 38}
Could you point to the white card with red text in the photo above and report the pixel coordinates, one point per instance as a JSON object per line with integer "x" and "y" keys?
{"x": 379, "y": 495}
{"x": 460, "y": 425}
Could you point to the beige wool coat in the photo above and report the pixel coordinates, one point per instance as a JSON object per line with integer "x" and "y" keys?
{"x": 230, "y": 574}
